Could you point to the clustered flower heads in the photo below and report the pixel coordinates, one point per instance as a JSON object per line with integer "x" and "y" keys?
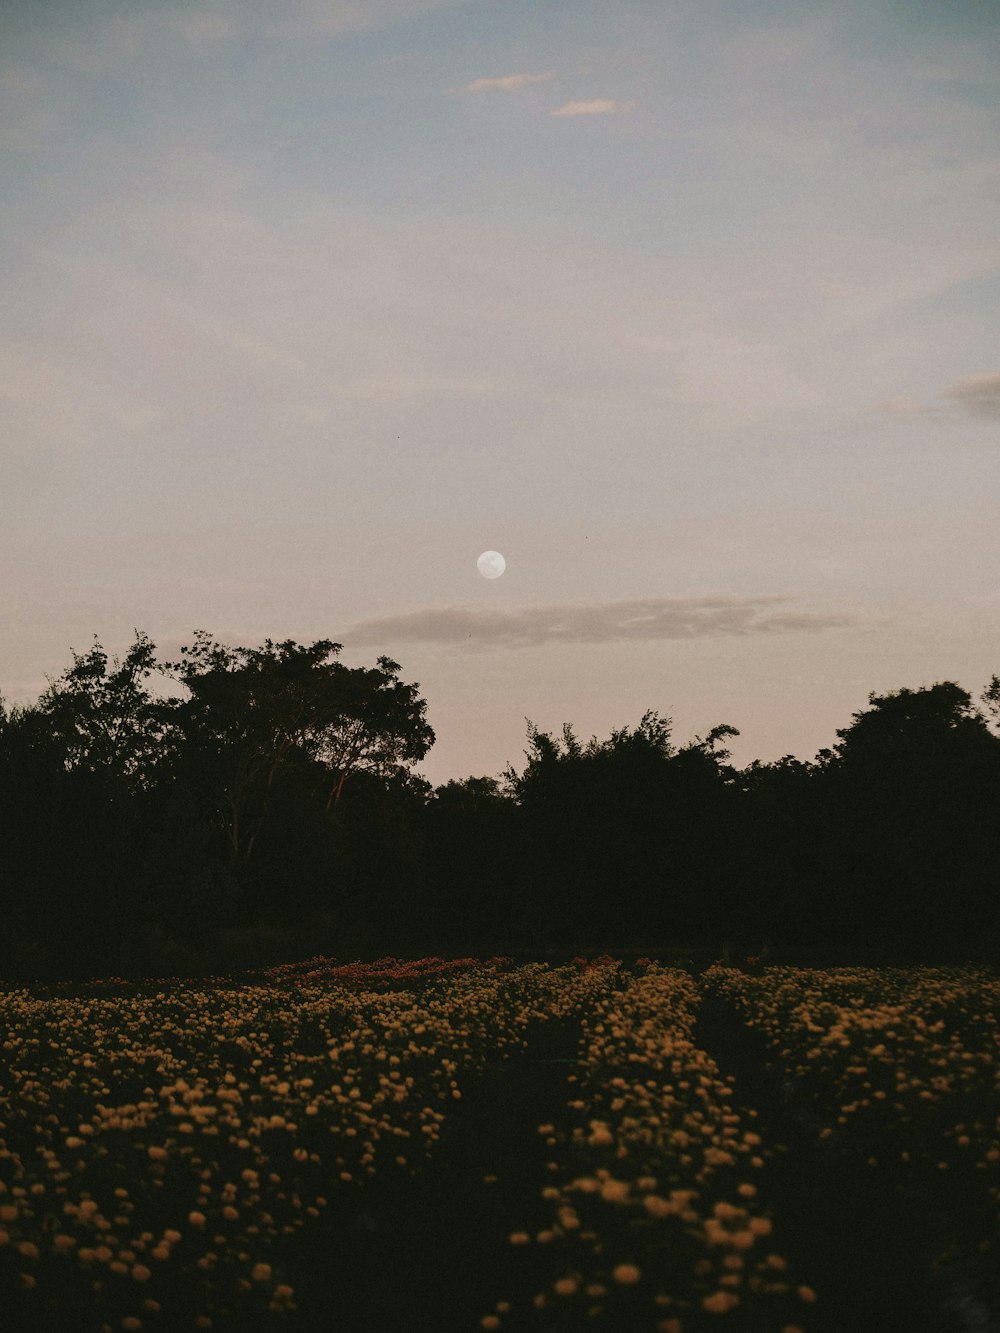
{"x": 233, "y": 1113}
{"x": 652, "y": 1192}
{"x": 380, "y": 974}
{"x": 160, "y": 1153}
{"x": 907, "y": 1057}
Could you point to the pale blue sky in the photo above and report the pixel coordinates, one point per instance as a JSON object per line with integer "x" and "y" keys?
{"x": 689, "y": 309}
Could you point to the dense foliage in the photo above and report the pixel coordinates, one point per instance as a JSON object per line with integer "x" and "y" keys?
{"x": 270, "y": 810}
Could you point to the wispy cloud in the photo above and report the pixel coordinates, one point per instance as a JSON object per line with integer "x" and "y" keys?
{"x": 592, "y": 622}
{"x": 598, "y": 106}
{"x": 506, "y": 83}
{"x": 979, "y": 395}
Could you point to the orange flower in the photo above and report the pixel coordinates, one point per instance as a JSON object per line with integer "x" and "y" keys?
{"x": 626, "y": 1274}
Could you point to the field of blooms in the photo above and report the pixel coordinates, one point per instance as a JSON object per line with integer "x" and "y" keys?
{"x": 906, "y": 1059}
{"x": 655, "y": 1223}
{"x": 167, "y": 1149}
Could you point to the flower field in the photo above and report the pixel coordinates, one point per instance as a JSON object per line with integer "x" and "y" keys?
{"x": 170, "y": 1152}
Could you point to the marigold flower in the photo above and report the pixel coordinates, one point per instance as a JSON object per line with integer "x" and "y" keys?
{"x": 720, "y": 1302}
{"x": 626, "y": 1274}
{"x": 657, "y": 1207}
{"x": 261, "y": 1272}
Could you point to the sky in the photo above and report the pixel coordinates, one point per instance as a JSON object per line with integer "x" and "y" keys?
{"x": 689, "y": 309}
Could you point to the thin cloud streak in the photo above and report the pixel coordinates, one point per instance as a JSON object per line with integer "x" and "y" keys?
{"x": 506, "y": 83}
{"x": 598, "y": 106}
{"x": 979, "y": 395}
{"x": 593, "y": 622}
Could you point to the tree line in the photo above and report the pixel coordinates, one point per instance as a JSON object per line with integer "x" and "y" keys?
{"x": 269, "y": 808}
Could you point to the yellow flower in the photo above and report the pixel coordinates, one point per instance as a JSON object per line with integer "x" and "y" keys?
{"x": 657, "y": 1207}
{"x": 261, "y": 1272}
{"x": 196, "y": 1219}
{"x": 566, "y": 1286}
{"x": 720, "y": 1302}
{"x": 626, "y": 1274}
{"x": 807, "y": 1294}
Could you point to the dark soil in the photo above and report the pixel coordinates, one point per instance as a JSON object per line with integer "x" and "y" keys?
{"x": 884, "y": 1247}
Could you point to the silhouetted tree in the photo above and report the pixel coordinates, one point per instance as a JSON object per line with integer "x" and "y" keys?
{"x": 621, "y": 833}
{"x": 911, "y": 792}
{"x": 475, "y": 881}
{"x": 781, "y": 826}
{"x": 141, "y": 834}
{"x": 255, "y": 714}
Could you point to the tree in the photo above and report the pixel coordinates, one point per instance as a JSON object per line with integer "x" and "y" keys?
{"x": 108, "y": 721}
{"x": 70, "y": 853}
{"x": 912, "y": 789}
{"x": 474, "y": 865}
{"x": 625, "y": 820}
{"x": 257, "y": 715}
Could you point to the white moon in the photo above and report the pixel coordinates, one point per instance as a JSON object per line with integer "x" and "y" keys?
{"x": 491, "y": 564}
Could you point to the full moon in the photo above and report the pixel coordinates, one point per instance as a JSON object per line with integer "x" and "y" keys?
{"x": 491, "y": 564}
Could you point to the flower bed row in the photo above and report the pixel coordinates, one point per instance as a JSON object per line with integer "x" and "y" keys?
{"x": 153, "y": 1150}
{"x": 654, "y": 1220}
{"x": 898, "y": 1065}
